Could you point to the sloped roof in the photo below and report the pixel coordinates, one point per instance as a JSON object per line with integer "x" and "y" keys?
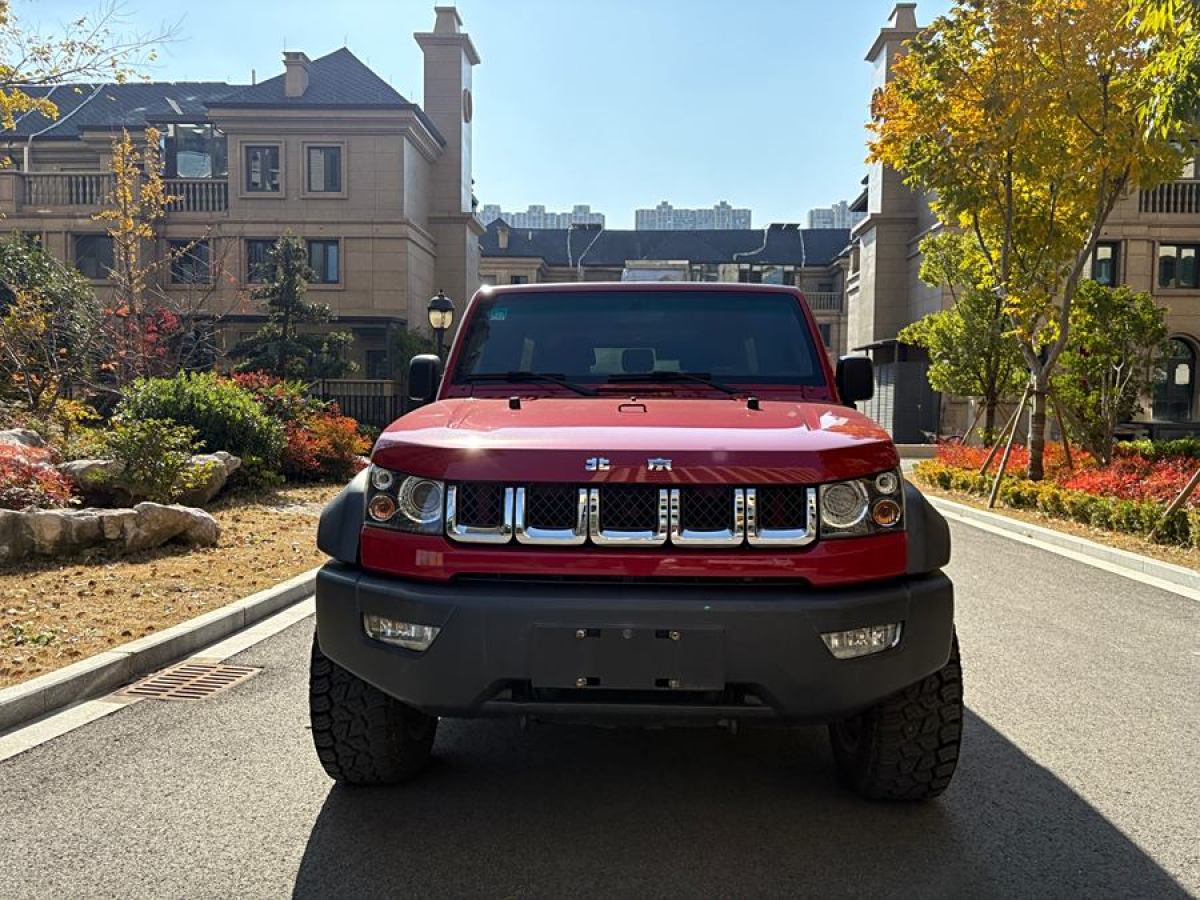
{"x": 776, "y": 245}
{"x": 113, "y": 106}
{"x": 338, "y": 79}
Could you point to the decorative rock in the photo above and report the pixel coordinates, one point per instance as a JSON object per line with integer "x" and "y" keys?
{"x": 62, "y": 532}
{"x": 22, "y": 436}
{"x": 97, "y": 481}
{"x": 156, "y": 524}
{"x": 217, "y": 469}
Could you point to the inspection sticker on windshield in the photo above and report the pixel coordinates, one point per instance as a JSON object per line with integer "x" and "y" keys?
{"x": 498, "y": 314}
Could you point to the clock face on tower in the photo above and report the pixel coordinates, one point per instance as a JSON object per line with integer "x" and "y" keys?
{"x": 467, "y": 110}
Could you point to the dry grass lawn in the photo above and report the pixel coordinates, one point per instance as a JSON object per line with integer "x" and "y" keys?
{"x": 56, "y": 612}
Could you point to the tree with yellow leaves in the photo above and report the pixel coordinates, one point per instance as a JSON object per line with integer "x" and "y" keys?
{"x": 93, "y": 47}
{"x": 1025, "y": 121}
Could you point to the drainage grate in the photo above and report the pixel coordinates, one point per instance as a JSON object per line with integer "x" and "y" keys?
{"x": 190, "y": 681}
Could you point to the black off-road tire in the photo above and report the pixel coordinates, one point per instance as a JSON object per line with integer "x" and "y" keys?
{"x": 906, "y": 747}
{"x": 362, "y": 735}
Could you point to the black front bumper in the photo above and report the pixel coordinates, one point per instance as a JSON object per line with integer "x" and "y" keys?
{"x": 725, "y": 651}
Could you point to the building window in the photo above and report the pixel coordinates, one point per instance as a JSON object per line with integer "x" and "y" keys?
{"x": 94, "y": 255}
{"x": 324, "y": 170}
{"x": 825, "y": 287}
{"x": 826, "y": 330}
{"x": 377, "y": 364}
{"x": 191, "y": 262}
{"x": 323, "y": 260}
{"x": 194, "y": 151}
{"x": 258, "y": 260}
{"x": 262, "y": 169}
{"x": 1177, "y": 265}
{"x": 518, "y": 279}
{"x": 1104, "y": 264}
{"x": 1176, "y": 391}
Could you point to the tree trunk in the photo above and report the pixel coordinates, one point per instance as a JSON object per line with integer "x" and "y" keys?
{"x": 989, "y": 418}
{"x": 1037, "y": 428}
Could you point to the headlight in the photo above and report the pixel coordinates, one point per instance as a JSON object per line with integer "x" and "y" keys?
{"x": 862, "y": 506}
{"x": 405, "y": 502}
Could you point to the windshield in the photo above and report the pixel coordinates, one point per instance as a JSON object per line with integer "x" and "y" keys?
{"x": 592, "y": 337}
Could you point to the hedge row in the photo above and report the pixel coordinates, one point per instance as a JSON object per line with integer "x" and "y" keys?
{"x": 1127, "y": 516}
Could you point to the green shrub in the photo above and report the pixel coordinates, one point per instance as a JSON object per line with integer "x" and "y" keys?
{"x": 1188, "y": 446}
{"x": 224, "y": 415}
{"x": 154, "y": 455}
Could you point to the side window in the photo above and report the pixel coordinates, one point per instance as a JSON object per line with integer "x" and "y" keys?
{"x": 191, "y": 262}
{"x": 324, "y": 170}
{"x": 1104, "y": 264}
{"x": 94, "y": 255}
{"x": 323, "y": 260}
{"x": 258, "y": 263}
{"x": 262, "y": 168}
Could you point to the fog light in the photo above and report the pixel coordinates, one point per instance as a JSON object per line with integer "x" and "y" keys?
{"x": 862, "y": 641}
{"x": 408, "y": 635}
{"x": 886, "y": 513}
{"x": 381, "y": 508}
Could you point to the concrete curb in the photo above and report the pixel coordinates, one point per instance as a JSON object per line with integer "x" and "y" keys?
{"x": 1124, "y": 559}
{"x": 107, "y": 671}
{"x": 916, "y": 451}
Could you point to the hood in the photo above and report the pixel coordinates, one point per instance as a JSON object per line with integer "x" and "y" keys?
{"x": 706, "y": 440}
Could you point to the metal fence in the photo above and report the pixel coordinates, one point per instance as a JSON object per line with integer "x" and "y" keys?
{"x": 372, "y": 402}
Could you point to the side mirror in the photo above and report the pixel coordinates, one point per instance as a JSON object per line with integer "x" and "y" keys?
{"x": 855, "y": 379}
{"x": 424, "y": 376}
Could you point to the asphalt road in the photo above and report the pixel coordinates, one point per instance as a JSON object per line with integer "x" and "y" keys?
{"x": 1079, "y": 777}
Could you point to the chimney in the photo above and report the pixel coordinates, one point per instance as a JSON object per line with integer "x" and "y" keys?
{"x": 448, "y": 20}
{"x": 502, "y": 235}
{"x": 295, "y": 78}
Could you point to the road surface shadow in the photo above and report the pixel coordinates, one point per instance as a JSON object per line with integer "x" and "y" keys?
{"x": 560, "y": 811}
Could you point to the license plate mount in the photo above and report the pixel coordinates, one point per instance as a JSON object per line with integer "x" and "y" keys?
{"x": 624, "y": 657}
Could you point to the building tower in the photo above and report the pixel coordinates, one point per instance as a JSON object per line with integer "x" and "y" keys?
{"x": 449, "y": 57}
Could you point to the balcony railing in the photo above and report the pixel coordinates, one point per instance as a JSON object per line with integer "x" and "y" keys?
{"x": 44, "y": 189}
{"x": 1180, "y": 198}
{"x": 824, "y": 301}
{"x": 198, "y": 194}
{"x": 54, "y": 190}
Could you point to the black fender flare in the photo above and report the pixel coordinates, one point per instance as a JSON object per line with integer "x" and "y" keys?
{"x": 341, "y": 522}
{"x": 928, "y": 533}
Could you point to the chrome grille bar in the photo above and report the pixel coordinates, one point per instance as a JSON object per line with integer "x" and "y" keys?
{"x": 613, "y": 538}
{"x": 725, "y": 537}
{"x": 479, "y": 534}
{"x": 563, "y": 537}
{"x": 781, "y": 537}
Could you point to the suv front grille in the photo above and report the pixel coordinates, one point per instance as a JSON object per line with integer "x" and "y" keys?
{"x": 629, "y": 507}
{"x": 632, "y": 514}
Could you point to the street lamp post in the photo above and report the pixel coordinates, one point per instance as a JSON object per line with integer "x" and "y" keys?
{"x": 441, "y": 316}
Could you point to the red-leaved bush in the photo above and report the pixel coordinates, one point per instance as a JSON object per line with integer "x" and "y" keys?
{"x": 28, "y": 479}
{"x": 323, "y": 447}
{"x": 1131, "y": 476}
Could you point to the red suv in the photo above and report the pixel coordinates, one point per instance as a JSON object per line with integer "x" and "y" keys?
{"x": 638, "y": 503}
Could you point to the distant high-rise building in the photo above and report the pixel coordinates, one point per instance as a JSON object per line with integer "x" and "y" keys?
{"x": 837, "y": 216}
{"x": 665, "y": 217}
{"x": 537, "y": 217}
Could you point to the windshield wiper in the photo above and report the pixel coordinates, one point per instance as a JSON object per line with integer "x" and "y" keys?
{"x": 669, "y": 376}
{"x": 524, "y": 375}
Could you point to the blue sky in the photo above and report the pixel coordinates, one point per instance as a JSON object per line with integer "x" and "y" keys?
{"x": 616, "y": 103}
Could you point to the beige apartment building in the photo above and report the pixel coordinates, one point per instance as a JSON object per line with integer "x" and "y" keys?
{"x": 378, "y": 186}
{"x": 1151, "y": 243}
{"x": 778, "y": 254}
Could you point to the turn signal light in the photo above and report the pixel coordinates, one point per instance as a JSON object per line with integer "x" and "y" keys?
{"x": 886, "y": 513}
